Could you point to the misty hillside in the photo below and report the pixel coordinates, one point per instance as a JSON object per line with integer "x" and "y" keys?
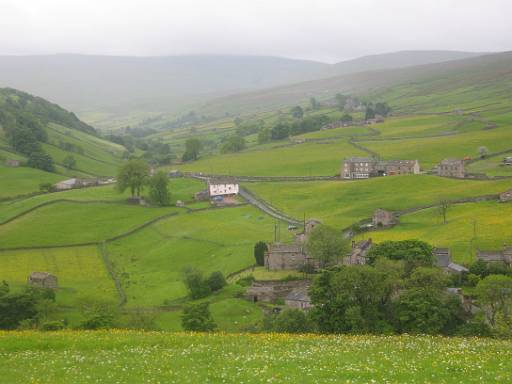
{"x": 102, "y": 88}
{"x": 493, "y": 72}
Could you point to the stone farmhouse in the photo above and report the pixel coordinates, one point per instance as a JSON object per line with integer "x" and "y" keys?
{"x": 299, "y": 298}
{"x": 12, "y": 163}
{"x": 443, "y": 260}
{"x": 75, "y": 183}
{"x": 43, "y": 280}
{"x": 503, "y": 256}
{"x": 451, "y": 168}
{"x": 506, "y": 196}
{"x": 383, "y": 218}
{"x": 271, "y": 290}
{"x": 223, "y": 186}
{"x": 357, "y": 255}
{"x": 366, "y": 167}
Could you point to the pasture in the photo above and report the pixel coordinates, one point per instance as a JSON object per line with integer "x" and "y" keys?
{"x": 152, "y": 357}
{"x": 472, "y": 226}
{"x": 342, "y": 203}
{"x": 23, "y": 180}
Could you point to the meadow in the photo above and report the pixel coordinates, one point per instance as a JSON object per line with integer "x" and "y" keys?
{"x": 342, "y": 203}
{"x": 23, "y": 180}
{"x": 151, "y": 357}
{"x": 470, "y": 227}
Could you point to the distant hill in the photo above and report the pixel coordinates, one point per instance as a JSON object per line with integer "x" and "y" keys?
{"x": 102, "y": 89}
{"x": 45, "y": 136}
{"x": 470, "y": 77}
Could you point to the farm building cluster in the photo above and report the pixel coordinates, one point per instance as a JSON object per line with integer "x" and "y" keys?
{"x": 366, "y": 167}
{"x": 220, "y": 191}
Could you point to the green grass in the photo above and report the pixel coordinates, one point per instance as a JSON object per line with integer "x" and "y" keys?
{"x": 152, "y": 260}
{"x": 490, "y": 221}
{"x": 492, "y": 166}
{"x": 66, "y": 223}
{"x": 151, "y": 357}
{"x": 23, "y": 180}
{"x": 80, "y": 271}
{"x": 341, "y": 203}
{"x": 291, "y": 160}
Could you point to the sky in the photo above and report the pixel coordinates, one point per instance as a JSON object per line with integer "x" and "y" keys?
{"x": 323, "y": 30}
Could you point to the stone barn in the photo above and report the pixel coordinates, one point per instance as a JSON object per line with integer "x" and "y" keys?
{"x": 299, "y": 298}
{"x": 451, "y": 168}
{"x": 383, "y": 218}
{"x": 358, "y": 252}
{"x": 285, "y": 257}
{"x": 498, "y": 256}
{"x": 506, "y": 196}
{"x": 271, "y": 290}
{"x": 43, "y": 280}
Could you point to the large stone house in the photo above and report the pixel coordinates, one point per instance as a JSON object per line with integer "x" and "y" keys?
{"x": 365, "y": 167}
{"x": 358, "y": 253}
{"x": 43, "y": 280}
{"x": 503, "y": 256}
{"x": 383, "y": 218}
{"x": 223, "y": 186}
{"x": 285, "y": 257}
{"x": 451, "y": 168}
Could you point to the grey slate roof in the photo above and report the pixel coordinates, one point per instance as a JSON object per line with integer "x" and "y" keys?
{"x": 457, "y": 268}
{"x": 222, "y": 180}
{"x": 299, "y": 294}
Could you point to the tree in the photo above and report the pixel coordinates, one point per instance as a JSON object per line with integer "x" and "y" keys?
{"x": 69, "y": 162}
{"x": 133, "y": 175}
{"x": 259, "y": 252}
{"x": 297, "y": 112}
{"x": 216, "y": 281}
{"x": 159, "y": 191}
{"x": 341, "y": 100}
{"x": 483, "y": 151}
{"x": 424, "y": 277}
{"x": 197, "y": 318}
{"x": 346, "y": 118}
{"x": 326, "y": 245}
{"x": 369, "y": 114}
{"x": 196, "y": 284}
{"x": 264, "y": 136}
{"x": 234, "y": 143}
{"x": 442, "y": 207}
{"x": 495, "y": 295}
{"x": 280, "y": 131}
{"x": 414, "y": 253}
{"x": 314, "y": 103}
{"x": 292, "y": 321}
{"x": 382, "y": 109}
{"x": 45, "y": 187}
{"x": 98, "y": 313}
{"x": 479, "y": 268}
{"x": 192, "y": 149}
{"x": 41, "y": 160}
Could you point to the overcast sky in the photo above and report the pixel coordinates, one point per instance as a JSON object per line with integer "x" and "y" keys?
{"x": 325, "y": 30}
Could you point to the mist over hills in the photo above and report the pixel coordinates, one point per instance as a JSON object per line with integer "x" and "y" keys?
{"x": 110, "y": 86}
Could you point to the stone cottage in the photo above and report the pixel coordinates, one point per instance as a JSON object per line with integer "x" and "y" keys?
{"x": 442, "y": 257}
{"x": 43, "y": 280}
{"x": 498, "y": 256}
{"x": 451, "y": 168}
{"x": 357, "y": 255}
{"x": 299, "y": 298}
{"x": 285, "y": 257}
{"x": 271, "y": 290}
{"x": 365, "y": 167}
{"x": 383, "y": 218}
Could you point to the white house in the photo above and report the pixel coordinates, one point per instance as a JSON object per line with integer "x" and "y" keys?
{"x": 222, "y": 186}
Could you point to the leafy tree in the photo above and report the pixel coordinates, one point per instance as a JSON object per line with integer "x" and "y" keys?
{"x": 233, "y": 143}
{"x": 41, "y": 160}
{"x": 46, "y": 187}
{"x": 134, "y": 175}
{"x": 382, "y": 109}
{"x": 192, "y": 149}
{"x": 17, "y": 307}
{"x": 443, "y": 207}
{"x": 326, "y": 245}
{"x": 69, "y": 162}
{"x": 494, "y": 293}
{"x": 428, "y": 277}
{"x": 369, "y": 114}
{"x": 98, "y": 313}
{"x": 292, "y": 321}
{"x": 264, "y": 136}
{"x": 346, "y": 118}
{"x": 237, "y": 121}
{"x": 427, "y": 310}
{"x": 196, "y": 284}
{"x": 280, "y": 131}
{"x": 297, "y": 112}
{"x": 351, "y": 299}
{"x": 216, "y": 281}
{"x": 479, "y": 268}
{"x": 314, "y": 103}
{"x": 197, "y": 318}
{"x": 341, "y": 100}
{"x": 483, "y": 151}
{"x": 259, "y": 252}
{"x": 159, "y": 189}
{"x": 414, "y": 253}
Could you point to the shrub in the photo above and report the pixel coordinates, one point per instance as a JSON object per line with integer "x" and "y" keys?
{"x": 259, "y": 252}
{"x": 216, "y": 281}
{"x": 55, "y": 325}
{"x": 197, "y": 318}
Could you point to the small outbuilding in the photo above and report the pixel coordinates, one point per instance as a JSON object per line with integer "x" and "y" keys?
{"x": 383, "y": 218}
{"x": 299, "y": 299}
{"x": 12, "y": 163}
{"x": 43, "y": 280}
{"x": 506, "y": 196}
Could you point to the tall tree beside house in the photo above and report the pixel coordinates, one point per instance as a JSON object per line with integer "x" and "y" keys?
{"x": 133, "y": 175}
{"x": 314, "y": 104}
{"x": 369, "y": 114}
{"x": 297, "y": 112}
{"x": 495, "y": 295}
{"x": 259, "y": 252}
{"x": 326, "y": 245}
{"x": 159, "y": 189}
{"x": 192, "y": 149}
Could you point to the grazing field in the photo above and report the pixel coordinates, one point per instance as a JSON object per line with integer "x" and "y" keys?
{"x": 492, "y": 166}
{"x": 80, "y": 271}
{"x": 150, "y": 357}
{"x": 484, "y": 225}
{"x": 289, "y": 160}
{"x": 342, "y": 203}
{"x": 151, "y": 262}
{"x": 23, "y": 180}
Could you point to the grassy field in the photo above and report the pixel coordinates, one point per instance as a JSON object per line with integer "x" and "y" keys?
{"x": 137, "y": 357}
{"x": 341, "y": 203}
{"x": 23, "y": 180}
{"x": 492, "y": 166}
{"x": 80, "y": 271}
{"x": 489, "y": 221}
{"x": 151, "y": 261}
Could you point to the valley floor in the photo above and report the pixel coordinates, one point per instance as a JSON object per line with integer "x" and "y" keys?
{"x": 150, "y": 357}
